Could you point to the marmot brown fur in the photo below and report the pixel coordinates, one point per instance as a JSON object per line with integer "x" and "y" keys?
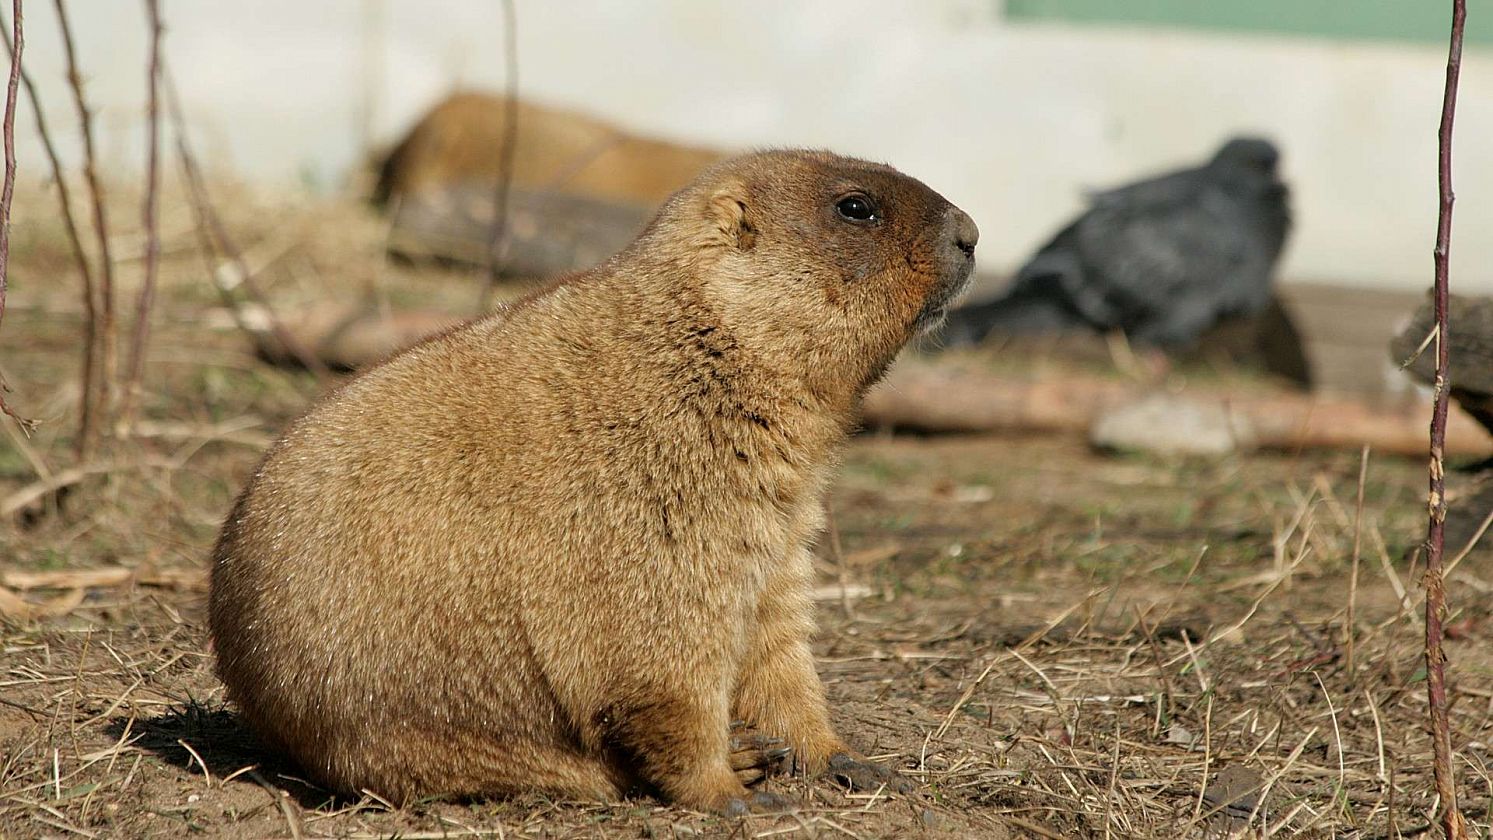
{"x": 457, "y": 143}
{"x": 561, "y": 547}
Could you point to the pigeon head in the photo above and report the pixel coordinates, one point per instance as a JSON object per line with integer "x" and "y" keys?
{"x": 1249, "y": 154}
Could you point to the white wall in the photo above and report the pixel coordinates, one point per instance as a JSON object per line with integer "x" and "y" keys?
{"x": 1010, "y": 122}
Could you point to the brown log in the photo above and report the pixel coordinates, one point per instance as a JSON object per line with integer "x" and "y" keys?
{"x": 944, "y": 398}
{"x": 460, "y": 140}
{"x": 917, "y": 396}
{"x": 546, "y": 233}
{"x": 348, "y": 338}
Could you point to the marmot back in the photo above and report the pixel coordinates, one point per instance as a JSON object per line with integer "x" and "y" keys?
{"x": 560, "y": 548}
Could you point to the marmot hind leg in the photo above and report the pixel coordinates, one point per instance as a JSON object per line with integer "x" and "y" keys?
{"x": 408, "y": 765}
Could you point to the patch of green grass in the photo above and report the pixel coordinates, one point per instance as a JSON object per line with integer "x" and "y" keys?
{"x": 881, "y": 470}
{"x": 1108, "y": 563}
{"x": 13, "y": 464}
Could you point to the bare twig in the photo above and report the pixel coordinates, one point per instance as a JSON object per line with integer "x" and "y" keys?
{"x": 150, "y": 218}
{"x": 1451, "y": 817}
{"x": 88, "y": 395}
{"x": 215, "y": 236}
{"x": 12, "y": 91}
{"x": 282, "y": 799}
{"x": 498, "y": 246}
{"x": 26, "y": 495}
{"x": 104, "y": 332}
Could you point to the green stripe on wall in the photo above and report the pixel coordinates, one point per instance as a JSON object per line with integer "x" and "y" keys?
{"x": 1398, "y": 20}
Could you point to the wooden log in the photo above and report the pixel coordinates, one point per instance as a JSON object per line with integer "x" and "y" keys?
{"x": 347, "y": 338}
{"x": 557, "y": 150}
{"x": 548, "y": 233}
{"x": 945, "y": 397}
{"x": 918, "y": 396}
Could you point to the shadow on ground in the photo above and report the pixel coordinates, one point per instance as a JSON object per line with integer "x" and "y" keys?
{"x": 199, "y": 738}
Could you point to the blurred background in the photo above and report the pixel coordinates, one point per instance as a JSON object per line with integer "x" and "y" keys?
{"x": 1011, "y": 108}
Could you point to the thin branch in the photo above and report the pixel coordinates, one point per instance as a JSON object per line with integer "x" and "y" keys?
{"x": 498, "y": 247}
{"x": 106, "y": 325}
{"x": 12, "y": 93}
{"x": 150, "y": 217}
{"x": 80, "y": 256}
{"x": 1446, "y": 790}
{"x": 215, "y": 236}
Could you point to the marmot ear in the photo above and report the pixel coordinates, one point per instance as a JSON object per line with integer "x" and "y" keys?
{"x": 731, "y": 217}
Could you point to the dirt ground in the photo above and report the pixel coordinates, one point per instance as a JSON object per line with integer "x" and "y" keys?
{"x": 1052, "y": 642}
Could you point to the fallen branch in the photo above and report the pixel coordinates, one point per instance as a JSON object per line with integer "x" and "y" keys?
{"x": 100, "y": 578}
{"x": 347, "y": 338}
{"x": 75, "y": 584}
{"x": 1435, "y": 578}
{"x": 548, "y": 233}
{"x": 39, "y": 489}
{"x": 940, "y": 398}
{"x": 67, "y": 579}
{"x": 16, "y": 608}
{"x": 926, "y": 398}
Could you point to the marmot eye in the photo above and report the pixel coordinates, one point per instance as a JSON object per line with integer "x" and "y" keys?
{"x": 856, "y": 208}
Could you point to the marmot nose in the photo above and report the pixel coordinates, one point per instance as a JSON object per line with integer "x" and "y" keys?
{"x": 966, "y": 232}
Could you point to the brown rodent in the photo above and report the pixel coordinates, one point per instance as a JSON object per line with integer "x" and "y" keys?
{"x": 458, "y": 140}
{"x": 561, "y": 547}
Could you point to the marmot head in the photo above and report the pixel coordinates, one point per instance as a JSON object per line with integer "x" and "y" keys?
{"x": 830, "y": 262}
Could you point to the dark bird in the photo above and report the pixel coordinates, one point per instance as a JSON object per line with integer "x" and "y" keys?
{"x": 1162, "y": 259}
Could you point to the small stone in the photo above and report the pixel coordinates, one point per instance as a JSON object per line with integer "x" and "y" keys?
{"x": 971, "y": 494}
{"x": 1168, "y": 424}
{"x": 1179, "y": 734}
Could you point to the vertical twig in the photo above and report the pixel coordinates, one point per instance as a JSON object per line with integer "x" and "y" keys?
{"x": 1451, "y": 817}
{"x": 212, "y": 228}
{"x": 149, "y": 217}
{"x": 88, "y": 395}
{"x": 106, "y": 327}
{"x": 12, "y": 92}
{"x": 498, "y": 246}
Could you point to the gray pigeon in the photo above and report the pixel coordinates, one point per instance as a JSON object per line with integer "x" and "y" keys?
{"x": 1162, "y": 259}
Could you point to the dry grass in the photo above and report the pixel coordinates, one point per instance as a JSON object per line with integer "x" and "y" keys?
{"x": 1054, "y": 643}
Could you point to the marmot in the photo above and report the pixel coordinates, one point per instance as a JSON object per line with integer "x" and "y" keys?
{"x": 557, "y": 150}
{"x": 562, "y": 547}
